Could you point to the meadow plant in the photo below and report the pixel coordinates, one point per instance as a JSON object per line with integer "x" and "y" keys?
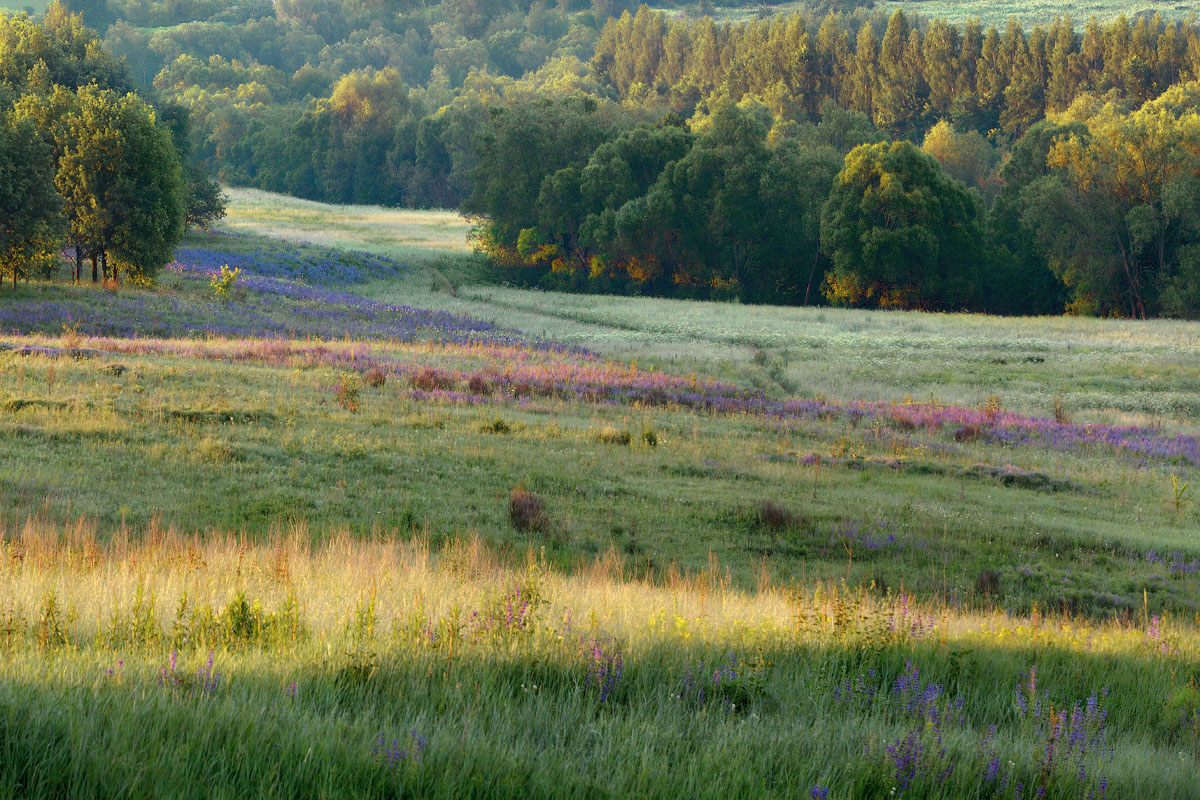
{"x": 347, "y": 390}
{"x": 1180, "y": 498}
{"x": 375, "y": 377}
{"x": 526, "y": 510}
{"x": 223, "y": 280}
{"x": 392, "y": 757}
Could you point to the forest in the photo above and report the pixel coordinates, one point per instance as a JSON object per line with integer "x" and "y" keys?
{"x": 825, "y": 156}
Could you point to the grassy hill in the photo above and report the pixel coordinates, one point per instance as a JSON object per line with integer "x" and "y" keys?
{"x": 375, "y": 524}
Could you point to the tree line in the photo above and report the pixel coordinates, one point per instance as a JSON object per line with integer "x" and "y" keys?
{"x": 904, "y": 73}
{"x": 1093, "y": 211}
{"x": 677, "y": 156}
{"x": 385, "y": 105}
{"x": 85, "y": 163}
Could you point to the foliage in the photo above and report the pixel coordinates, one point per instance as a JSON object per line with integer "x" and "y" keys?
{"x": 120, "y": 179}
{"x": 223, "y": 280}
{"x": 30, "y": 210}
{"x": 1114, "y": 218}
{"x": 900, "y": 233}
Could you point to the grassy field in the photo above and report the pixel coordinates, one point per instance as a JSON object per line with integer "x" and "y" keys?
{"x": 553, "y": 545}
{"x": 1100, "y": 370}
{"x": 997, "y": 12}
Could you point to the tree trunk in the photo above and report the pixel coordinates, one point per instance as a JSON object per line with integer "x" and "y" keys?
{"x": 812, "y": 274}
{"x": 76, "y": 266}
{"x": 95, "y": 272}
{"x": 104, "y": 264}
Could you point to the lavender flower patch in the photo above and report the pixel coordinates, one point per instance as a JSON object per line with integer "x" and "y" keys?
{"x": 873, "y": 536}
{"x": 392, "y": 756}
{"x": 1075, "y": 741}
{"x": 1174, "y": 562}
{"x": 204, "y": 683}
{"x": 605, "y": 666}
{"x": 321, "y": 268}
{"x": 273, "y": 308}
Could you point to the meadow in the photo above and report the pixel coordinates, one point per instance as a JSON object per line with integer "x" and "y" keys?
{"x": 366, "y": 521}
{"x": 994, "y": 12}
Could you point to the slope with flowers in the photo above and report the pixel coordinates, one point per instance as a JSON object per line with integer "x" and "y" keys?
{"x": 423, "y": 534}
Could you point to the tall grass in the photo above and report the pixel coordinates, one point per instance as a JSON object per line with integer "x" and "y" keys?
{"x": 499, "y": 676}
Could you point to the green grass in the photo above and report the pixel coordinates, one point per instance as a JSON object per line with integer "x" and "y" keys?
{"x": 352, "y": 563}
{"x": 273, "y": 698}
{"x": 1101, "y": 370}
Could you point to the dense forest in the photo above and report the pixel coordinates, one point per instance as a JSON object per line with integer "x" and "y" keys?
{"x": 832, "y": 155}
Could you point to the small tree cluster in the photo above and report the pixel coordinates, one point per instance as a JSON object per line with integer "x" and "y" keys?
{"x": 85, "y": 163}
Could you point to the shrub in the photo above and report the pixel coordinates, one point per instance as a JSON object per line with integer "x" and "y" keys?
{"x": 223, "y": 281}
{"x": 526, "y": 510}
{"x": 611, "y": 435}
{"x": 495, "y": 426}
{"x": 968, "y": 433}
{"x": 431, "y": 379}
{"x": 988, "y": 583}
{"x": 775, "y": 517}
{"x": 479, "y": 384}
{"x": 1060, "y": 412}
{"x": 375, "y": 377}
{"x": 650, "y": 437}
{"x": 346, "y": 391}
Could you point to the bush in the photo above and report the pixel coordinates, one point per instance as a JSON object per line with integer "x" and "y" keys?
{"x": 495, "y": 426}
{"x": 431, "y": 379}
{"x": 375, "y": 377}
{"x": 526, "y": 510}
{"x": 988, "y": 583}
{"x": 968, "y": 433}
{"x": 611, "y": 435}
{"x": 346, "y": 391}
{"x": 773, "y": 516}
{"x": 479, "y": 384}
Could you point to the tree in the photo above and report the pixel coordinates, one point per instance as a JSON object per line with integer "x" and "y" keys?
{"x": 1017, "y": 279}
{"x": 899, "y": 232}
{"x": 70, "y": 53}
{"x": 1116, "y": 218}
{"x": 517, "y": 150}
{"x": 204, "y": 203}
{"x": 30, "y": 219}
{"x": 121, "y": 183}
{"x": 966, "y": 157}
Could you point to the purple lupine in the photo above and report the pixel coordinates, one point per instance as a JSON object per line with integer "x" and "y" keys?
{"x": 905, "y": 755}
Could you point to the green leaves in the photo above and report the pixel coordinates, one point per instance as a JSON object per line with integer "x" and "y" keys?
{"x": 30, "y": 210}
{"x": 899, "y": 232}
{"x": 120, "y": 177}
